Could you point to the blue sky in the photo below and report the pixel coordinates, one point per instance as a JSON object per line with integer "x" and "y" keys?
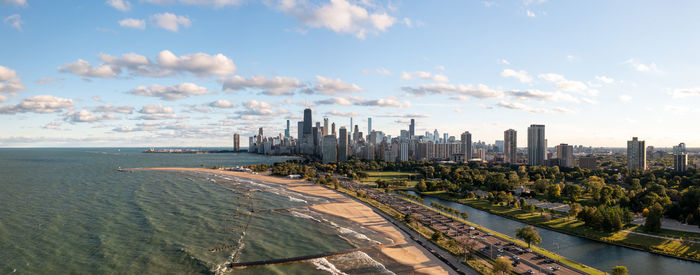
{"x": 192, "y": 72}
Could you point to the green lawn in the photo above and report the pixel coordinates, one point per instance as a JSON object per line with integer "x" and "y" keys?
{"x": 575, "y": 227}
{"x": 389, "y": 176}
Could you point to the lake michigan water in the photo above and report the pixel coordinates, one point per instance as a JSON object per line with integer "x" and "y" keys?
{"x": 70, "y": 211}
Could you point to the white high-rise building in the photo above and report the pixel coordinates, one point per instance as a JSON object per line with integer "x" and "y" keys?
{"x": 536, "y": 145}
{"x": 636, "y": 154}
{"x": 403, "y": 151}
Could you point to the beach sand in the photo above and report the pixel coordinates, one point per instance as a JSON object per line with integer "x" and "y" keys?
{"x": 404, "y": 251}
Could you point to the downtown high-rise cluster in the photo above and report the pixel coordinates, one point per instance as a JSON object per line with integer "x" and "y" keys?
{"x": 322, "y": 141}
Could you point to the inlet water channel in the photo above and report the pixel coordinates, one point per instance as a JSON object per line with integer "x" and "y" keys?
{"x": 599, "y": 255}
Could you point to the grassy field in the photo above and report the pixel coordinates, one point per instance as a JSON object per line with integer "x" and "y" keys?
{"x": 572, "y": 226}
{"x": 389, "y": 176}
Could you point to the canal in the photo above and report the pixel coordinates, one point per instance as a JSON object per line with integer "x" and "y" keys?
{"x": 599, "y": 255}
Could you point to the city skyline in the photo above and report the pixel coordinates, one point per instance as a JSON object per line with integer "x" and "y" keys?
{"x": 196, "y": 76}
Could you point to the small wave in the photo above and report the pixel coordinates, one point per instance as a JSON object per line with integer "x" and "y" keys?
{"x": 325, "y": 265}
{"x": 296, "y": 199}
{"x": 361, "y": 261}
{"x": 303, "y": 216}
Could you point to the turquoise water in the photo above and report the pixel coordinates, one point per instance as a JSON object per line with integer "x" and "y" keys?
{"x": 70, "y": 211}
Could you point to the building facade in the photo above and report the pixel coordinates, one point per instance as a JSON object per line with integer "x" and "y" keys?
{"x": 536, "y": 145}
{"x": 510, "y": 146}
{"x": 636, "y": 154}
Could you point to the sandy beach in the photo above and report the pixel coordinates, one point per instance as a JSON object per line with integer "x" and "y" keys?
{"x": 404, "y": 251}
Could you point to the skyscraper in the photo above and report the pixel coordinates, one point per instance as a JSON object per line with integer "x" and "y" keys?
{"x": 325, "y": 126}
{"x": 499, "y": 146}
{"x": 466, "y": 140}
{"x": 286, "y": 131}
{"x": 536, "y": 145}
{"x": 436, "y": 136}
{"x": 300, "y": 131}
{"x": 236, "y": 142}
{"x": 680, "y": 162}
{"x": 636, "y": 154}
{"x": 307, "y": 122}
{"x": 369, "y": 125}
{"x": 329, "y": 151}
{"x": 333, "y": 129}
{"x": 510, "y": 146}
{"x": 412, "y": 129}
{"x": 565, "y": 154}
{"x": 342, "y": 144}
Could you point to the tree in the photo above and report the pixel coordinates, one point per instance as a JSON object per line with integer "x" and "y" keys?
{"x": 501, "y": 265}
{"x": 529, "y": 235}
{"x": 553, "y": 191}
{"x": 653, "y": 222}
{"x": 436, "y": 236}
{"x": 572, "y": 191}
{"x": 407, "y": 218}
{"x": 420, "y": 186}
{"x": 574, "y": 208}
{"x": 619, "y": 270}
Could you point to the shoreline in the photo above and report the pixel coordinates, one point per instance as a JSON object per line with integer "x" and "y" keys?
{"x": 403, "y": 250}
{"x": 564, "y": 231}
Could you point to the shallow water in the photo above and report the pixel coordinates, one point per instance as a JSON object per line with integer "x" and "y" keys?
{"x": 71, "y": 211}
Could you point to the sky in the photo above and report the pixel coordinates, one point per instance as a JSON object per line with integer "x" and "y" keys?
{"x": 167, "y": 73}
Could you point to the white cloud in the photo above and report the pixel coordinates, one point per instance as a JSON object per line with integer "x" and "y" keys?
{"x": 270, "y": 86}
{"x": 389, "y": 101}
{"x": 213, "y": 3}
{"x": 641, "y": 67}
{"x": 260, "y": 108}
{"x": 331, "y": 86}
{"x": 3, "y": 98}
{"x": 113, "y": 109}
{"x": 503, "y": 62}
{"x": 171, "y": 93}
{"x": 121, "y": 5}
{"x": 41, "y": 104}
{"x": 605, "y": 79}
{"x": 222, "y": 103}
{"x": 339, "y": 16}
{"x": 523, "y": 107}
{"x": 341, "y": 114}
{"x": 520, "y": 75}
{"x": 157, "y": 112}
{"x": 16, "y": 2}
{"x": 85, "y": 116}
{"x": 96, "y": 98}
{"x": 530, "y": 14}
{"x": 424, "y": 75}
{"x": 133, "y": 23}
{"x": 407, "y": 22}
{"x": 170, "y": 21}
{"x": 479, "y": 91}
{"x": 167, "y": 63}
{"x": 9, "y": 82}
{"x": 334, "y": 101}
{"x": 544, "y": 96}
{"x": 83, "y": 68}
{"x": 625, "y": 98}
{"x": 685, "y": 92}
{"x": 198, "y": 63}
{"x": 14, "y": 21}
{"x": 383, "y": 71}
{"x": 564, "y": 84}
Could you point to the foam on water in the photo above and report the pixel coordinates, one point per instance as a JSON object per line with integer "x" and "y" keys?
{"x": 296, "y": 199}
{"x": 325, "y": 265}
{"x": 361, "y": 261}
{"x": 303, "y": 216}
